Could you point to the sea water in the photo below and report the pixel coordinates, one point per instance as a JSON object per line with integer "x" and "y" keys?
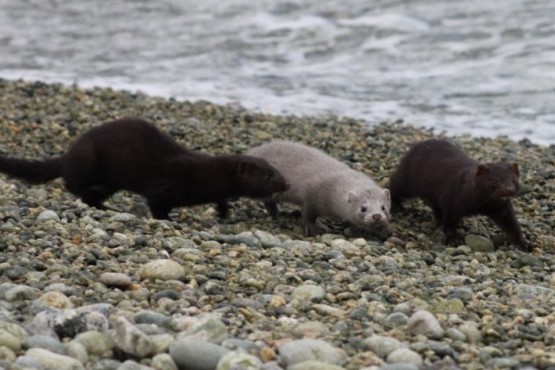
{"x": 482, "y": 67}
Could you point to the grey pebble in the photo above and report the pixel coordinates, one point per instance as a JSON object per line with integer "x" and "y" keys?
{"x": 479, "y": 243}
{"x": 130, "y": 339}
{"x": 308, "y": 293}
{"x": 45, "y": 342}
{"x": 48, "y": 215}
{"x": 193, "y": 353}
{"x": 383, "y": 346}
{"x": 95, "y": 342}
{"x": 301, "y": 350}
{"x": 51, "y": 360}
{"x": 423, "y": 322}
{"x": 163, "y": 361}
{"x": 20, "y": 293}
{"x": 235, "y": 360}
{"x": 115, "y": 279}
{"x": 404, "y": 355}
{"x": 132, "y": 365}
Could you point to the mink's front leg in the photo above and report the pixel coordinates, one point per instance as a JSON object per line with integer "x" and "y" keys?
{"x": 505, "y": 218}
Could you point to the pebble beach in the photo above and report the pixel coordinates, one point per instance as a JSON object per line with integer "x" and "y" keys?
{"x": 82, "y": 288}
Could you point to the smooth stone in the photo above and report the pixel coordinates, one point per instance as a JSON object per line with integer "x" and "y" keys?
{"x": 267, "y": 240}
{"x": 161, "y": 342}
{"x": 345, "y": 247}
{"x": 529, "y": 260}
{"x": 122, "y": 217}
{"x": 383, "y": 346}
{"x": 397, "y": 319}
{"x": 77, "y": 350}
{"x": 208, "y": 326}
{"x": 106, "y": 364}
{"x": 152, "y": 317}
{"x": 7, "y": 355}
{"x": 502, "y": 363}
{"x": 450, "y": 306}
{"x": 132, "y": 365}
{"x": 163, "y": 361}
{"x": 272, "y": 365}
{"x": 48, "y": 215}
{"x": 301, "y": 350}
{"x": 314, "y": 365}
{"x": 130, "y": 339}
{"x": 235, "y": 360}
{"x": 27, "y": 363}
{"x": 399, "y": 366}
{"x": 45, "y": 342}
{"x": 405, "y": 355}
{"x": 54, "y": 299}
{"x": 193, "y": 353}
{"x": 115, "y": 279}
{"x": 162, "y": 270}
{"x": 10, "y": 340}
{"x": 479, "y": 243}
{"x": 308, "y": 293}
{"x": 20, "y": 293}
{"x": 472, "y": 332}
{"x": 51, "y": 360}
{"x": 95, "y": 342}
{"x": 425, "y": 323}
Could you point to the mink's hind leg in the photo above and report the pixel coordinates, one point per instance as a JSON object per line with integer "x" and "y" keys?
{"x": 95, "y": 196}
{"x": 450, "y": 230}
{"x": 309, "y": 220}
{"x": 438, "y": 215}
{"x": 159, "y": 209}
{"x": 223, "y": 209}
{"x": 271, "y": 207}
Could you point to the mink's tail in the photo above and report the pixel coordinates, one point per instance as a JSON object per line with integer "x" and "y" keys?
{"x": 34, "y": 172}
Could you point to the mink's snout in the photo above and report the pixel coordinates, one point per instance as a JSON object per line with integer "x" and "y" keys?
{"x": 376, "y": 217}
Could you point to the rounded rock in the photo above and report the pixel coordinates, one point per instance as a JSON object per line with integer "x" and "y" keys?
{"x": 404, "y": 355}
{"x": 193, "y": 353}
{"x": 162, "y": 270}
{"x": 235, "y": 360}
{"x": 130, "y": 339}
{"x": 423, "y": 322}
{"x": 115, "y": 279}
{"x": 48, "y": 215}
{"x": 51, "y": 360}
{"x": 301, "y": 350}
{"x": 308, "y": 293}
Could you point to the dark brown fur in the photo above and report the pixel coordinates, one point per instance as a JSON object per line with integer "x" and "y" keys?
{"x": 455, "y": 186}
{"x": 132, "y": 154}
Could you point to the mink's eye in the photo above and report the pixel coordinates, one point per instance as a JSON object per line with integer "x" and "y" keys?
{"x": 493, "y": 183}
{"x": 363, "y": 209}
{"x": 383, "y": 208}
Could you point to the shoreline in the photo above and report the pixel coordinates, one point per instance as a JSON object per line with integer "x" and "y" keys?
{"x": 121, "y": 290}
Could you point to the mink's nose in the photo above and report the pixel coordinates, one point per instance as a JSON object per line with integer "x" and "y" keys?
{"x": 508, "y": 191}
{"x": 376, "y": 217}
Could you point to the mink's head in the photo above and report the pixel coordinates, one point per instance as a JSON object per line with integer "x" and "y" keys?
{"x": 497, "y": 181}
{"x": 368, "y": 207}
{"x": 258, "y": 179}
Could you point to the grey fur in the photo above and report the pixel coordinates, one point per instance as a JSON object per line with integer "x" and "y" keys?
{"x": 324, "y": 186}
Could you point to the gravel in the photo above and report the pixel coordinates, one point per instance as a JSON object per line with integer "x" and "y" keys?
{"x": 99, "y": 289}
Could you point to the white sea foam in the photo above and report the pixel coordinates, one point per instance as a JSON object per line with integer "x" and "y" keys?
{"x": 467, "y": 66}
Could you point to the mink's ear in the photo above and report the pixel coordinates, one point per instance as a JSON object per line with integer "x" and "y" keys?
{"x": 387, "y": 195}
{"x": 351, "y": 197}
{"x": 243, "y": 168}
{"x": 515, "y": 168}
{"x": 482, "y": 169}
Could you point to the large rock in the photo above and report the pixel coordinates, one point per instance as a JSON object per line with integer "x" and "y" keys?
{"x": 193, "y": 353}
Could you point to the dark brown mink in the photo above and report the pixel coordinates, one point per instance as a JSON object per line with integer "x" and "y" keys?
{"x": 455, "y": 186}
{"x": 132, "y": 154}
